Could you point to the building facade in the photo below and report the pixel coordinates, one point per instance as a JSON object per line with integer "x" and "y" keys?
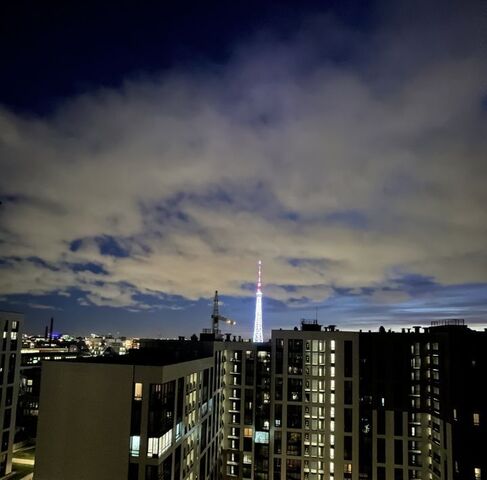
{"x": 310, "y": 404}
{"x": 144, "y": 417}
{"x": 10, "y": 325}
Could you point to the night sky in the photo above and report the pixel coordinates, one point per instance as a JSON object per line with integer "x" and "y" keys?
{"x": 152, "y": 152}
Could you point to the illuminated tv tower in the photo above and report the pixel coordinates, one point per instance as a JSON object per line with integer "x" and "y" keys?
{"x": 258, "y": 337}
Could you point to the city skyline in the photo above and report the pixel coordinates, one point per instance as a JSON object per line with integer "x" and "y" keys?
{"x": 154, "y": 160}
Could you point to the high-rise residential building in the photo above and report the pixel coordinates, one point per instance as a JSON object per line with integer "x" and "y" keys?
{"x": 311, "y": 404}
{"x": 10, "y": 325}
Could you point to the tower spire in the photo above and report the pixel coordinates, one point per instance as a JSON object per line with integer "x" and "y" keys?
{"x": 258, "y": 336}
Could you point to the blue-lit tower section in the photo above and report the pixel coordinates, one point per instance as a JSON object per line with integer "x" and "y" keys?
{"x": 258, "y": 336}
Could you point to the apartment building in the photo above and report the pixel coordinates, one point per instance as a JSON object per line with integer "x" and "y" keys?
{"x": 315, "y": 400}
{"x": 351, "y": 405}
{"x": 247, "y": 407}
{"x": 154, "y": 414}
{"x": 10, "y": 325}
{"x": 312, "y": 403}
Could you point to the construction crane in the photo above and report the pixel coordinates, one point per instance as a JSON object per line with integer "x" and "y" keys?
{"x": 216, "y": 318}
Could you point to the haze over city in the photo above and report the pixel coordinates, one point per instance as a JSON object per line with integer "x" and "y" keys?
{"x": 150, "y": 156}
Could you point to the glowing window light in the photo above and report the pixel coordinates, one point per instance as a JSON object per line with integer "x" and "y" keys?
{"x": 135, "y": 446}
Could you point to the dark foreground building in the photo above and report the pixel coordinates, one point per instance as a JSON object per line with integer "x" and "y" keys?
{"x": 314, "y": 404}
{"x": 10, "y": 325}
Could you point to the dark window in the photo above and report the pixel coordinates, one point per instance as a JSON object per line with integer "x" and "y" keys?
{"x": 277, "y": 469}
{"x": 136, "y": 417}
{"x": 152, "y": 472}
{"x": 293, "y": 469}
{"x": 398, "y": 474}
{"x": 381, "y": 422}
{"x": 133, "y": 471}
{"x": 347, "y": 447}
{"x": 381, "y": 473}
{"x": 2, "y": 368}
{"x": 294, "y": 443}
{"x": 348, "y": 419}
{"x": 180, "y": 403}
{"x": 248, "y": 407}
{"x": 294, "y": 416}
{"x": 247, "y": 444}
{"x": 398, "y": 452}
{"x": 204, "y": 428}
{"x": 381, "y": 450}
{"x": 177, "y": 462}
{"x": 11, "y": 368}
{"x": 3, "y": 465}
{"x": 206, "y": 383}
{"x": 278, "y": 390}
{"x": 202, "y": 467}
{"x": 277, "y": 442}
{"x": 261, "y": 460}
{"x": 348, "y": 349}
{"x": 7, "y": 418}
{"x": 279, "y": 355}
{"x": 9, "y": 396}
{"x": 348, "y": 392}
{"x": 249, "y": 369}
{"x": 5, "y": 440}
{"x": 398, "y": 423}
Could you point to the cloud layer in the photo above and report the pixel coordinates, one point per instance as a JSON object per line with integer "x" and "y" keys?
{"x": 343, "y": 161}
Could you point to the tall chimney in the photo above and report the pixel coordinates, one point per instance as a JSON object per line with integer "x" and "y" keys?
{"x": 46, "y": 332}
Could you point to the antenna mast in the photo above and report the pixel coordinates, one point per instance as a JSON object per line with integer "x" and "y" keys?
{"x": 258, "y": 335}
{"x": 215, "y": 316}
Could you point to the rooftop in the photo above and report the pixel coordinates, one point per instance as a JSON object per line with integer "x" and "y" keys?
{"x": 158, "y": 353}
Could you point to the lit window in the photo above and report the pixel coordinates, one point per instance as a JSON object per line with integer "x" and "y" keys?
{"x": 261, "y": 437}
{"x": 477, "y": 473}
{"x": 248, "y": 432}
{"x": 476, "y": 419}
{"x": 332, "y": 344}
{"x": 137, "y": 391}
{"x": 332, "y": 467}
{"x": 135, "y": 446}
